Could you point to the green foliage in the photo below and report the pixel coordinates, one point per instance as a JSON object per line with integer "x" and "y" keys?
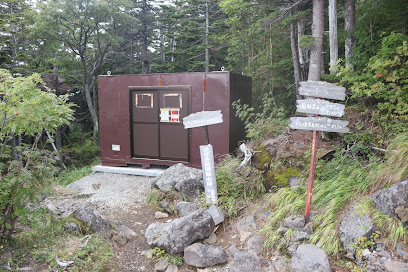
{"x": 364, "y": 242}
{"x": 259, "y": 125}
{"x": 25, "y": 110}
{"x": 391, "y": 228}
{"x": 74, "y": 173}
{"x": 45, "y": 238}
{"x": 159, "y": 254}
{"x": 280, "y": 178}
{"x": 237, "y": 186}
{"x": 382, "y": 84}
{"x": 337, "y": 183}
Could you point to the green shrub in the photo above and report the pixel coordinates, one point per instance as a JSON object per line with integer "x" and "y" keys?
{"x": 237, "y": 186}
{"x": 339, "y": 182}
{"x": 259, "y": 125}
{"x": 382, "y": 85}
{"x": 28, "y": 111}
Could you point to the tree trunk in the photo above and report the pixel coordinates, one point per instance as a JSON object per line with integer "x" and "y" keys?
{"x": 207, "y": 30}
{"x": 91, "y": 108}
{"x": 144, "y": 21}
{"x": 303, "y": 56}
{"x": 295, "y": 57}
{"x": 349, "y": 26}
{"x": 334, "y": 47}
{"x": 317, "y": 47}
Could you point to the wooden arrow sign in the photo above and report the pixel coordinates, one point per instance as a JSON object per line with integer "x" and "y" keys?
{"x": 322, "y": 89}
{"x": 319, "y": 124}
{"x": 320, "y": 107}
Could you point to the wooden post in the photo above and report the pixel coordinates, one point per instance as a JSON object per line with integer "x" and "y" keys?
{"x": 311, "y": 175}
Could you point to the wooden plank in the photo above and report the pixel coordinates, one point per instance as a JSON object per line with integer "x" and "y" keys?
{"x": 321, "y": 107}
{"x": 202, "y": 118}
{"x": 319, "y": 124}
{"x": 322, "y": 89}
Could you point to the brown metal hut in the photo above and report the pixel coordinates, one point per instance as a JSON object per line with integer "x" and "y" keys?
{"x": 140, "y": 117}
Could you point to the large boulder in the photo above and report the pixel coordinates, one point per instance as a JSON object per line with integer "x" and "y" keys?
{"x": 174, "y": 237}
{"x": 310, "y": 258}
{"x": 355, "y": 225}
{"x": 200, "y": 255}
{"x": 393, "y": 201}
{"x": 182, "y": 178}
{"x": 96, "y": 222}
{"x": 244, "y": 262}
{"x": 185, "y": 208}
{"x": 85, "y": 217}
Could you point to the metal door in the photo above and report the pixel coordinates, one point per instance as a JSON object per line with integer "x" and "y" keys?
{"x": 157, "y": 127}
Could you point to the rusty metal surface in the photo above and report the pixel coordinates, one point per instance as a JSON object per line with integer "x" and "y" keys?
{"x": 116, "y": 125}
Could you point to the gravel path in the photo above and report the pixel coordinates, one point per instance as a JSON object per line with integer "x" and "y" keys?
{"x": 113, "y": 191}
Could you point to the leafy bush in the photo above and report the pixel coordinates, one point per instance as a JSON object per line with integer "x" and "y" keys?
{"x": 258, "y": 125}
{"x": 25, "y": 110}
{"x": 382, "y": 85}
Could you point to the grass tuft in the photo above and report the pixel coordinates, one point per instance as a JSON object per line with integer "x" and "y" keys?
{"x": 339, "y": 182}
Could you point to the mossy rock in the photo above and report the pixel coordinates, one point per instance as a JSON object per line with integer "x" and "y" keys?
{"x": 263, "y": 158}
{"x": 279, "y": 178}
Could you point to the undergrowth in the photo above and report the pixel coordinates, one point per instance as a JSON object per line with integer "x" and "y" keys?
{"x": 74, "y": 173}
{"x": 44, "y": 239}
{"x": 237, "y": 186}
{"x": 337, "y": 183}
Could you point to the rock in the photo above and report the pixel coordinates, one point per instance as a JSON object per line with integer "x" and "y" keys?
{"x": 394, "y": 266}
{"x": 393, "y": 201}
{"x": 353, "y": 226}
{"x": 76, "y": 186}
{"x": 374, "y": 267}
{"x": 294, "y": 182}
{"x": 211, "y": 240}
{"x": 245, "y": 262}
{"x": 186, "y": 208}
{"x": 52, "y": 208}
{"x": 310, "y": 258}
{"x": 122, "y": 233}
{"x": 293, "y": 246}
{"x": 299, "y": 145}
{"x": 246, "y": 226}
{"x": 147, "y": 253}
{"x": 365, "y": 253}
{"x": 296, "y": 222}
{"x": 265, "y": 213}
{"x": 200, "y": 255}
{"x": 172, "y": 268}
{"x": 233, "y": 250}
{"x": 184, "y": 179}
{"x": 255, "y": 245}
{"x": 279, "y": 264}
{"x": 299, "y": 236}
{"x": 160, "y": 215}
{"x": 174, "y": 237}
{"x": 165, "y": 206}
{"x": 384, "y": 254}
{"x": 308, "y": 228}
{"x": 96, "y": 222}
{"x": 161, "y": 265}
{"x": 401, "y": 251}
{"x": 217, "y": 214}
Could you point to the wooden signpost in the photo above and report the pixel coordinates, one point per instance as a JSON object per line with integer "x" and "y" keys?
{"x": 203, "y": 119}
{"x": 318, "y": 89}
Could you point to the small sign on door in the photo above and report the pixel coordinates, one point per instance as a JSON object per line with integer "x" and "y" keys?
{"x": 170, "y": 115}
